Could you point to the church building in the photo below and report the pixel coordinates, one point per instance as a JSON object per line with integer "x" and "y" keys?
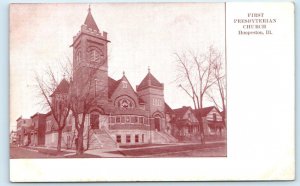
{"x": 124, "y": 114}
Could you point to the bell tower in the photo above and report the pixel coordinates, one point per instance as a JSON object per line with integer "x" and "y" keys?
{"x": 90, "y": 58}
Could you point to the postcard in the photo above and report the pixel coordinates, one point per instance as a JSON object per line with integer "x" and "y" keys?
{"x": 152, "y": 92}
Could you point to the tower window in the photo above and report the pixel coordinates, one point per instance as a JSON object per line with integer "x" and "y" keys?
{"x": 156, "y": 102}
{"x": 97, "y": 86}
{"x": 95, "y": 55}
{"x": 78, "y": 57}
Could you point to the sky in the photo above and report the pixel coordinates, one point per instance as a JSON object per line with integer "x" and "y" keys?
{"x": 141, "y": 35}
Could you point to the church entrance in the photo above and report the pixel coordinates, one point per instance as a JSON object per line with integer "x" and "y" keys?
{"x": 157, "y": 123}
{"x": 94, "y": 121}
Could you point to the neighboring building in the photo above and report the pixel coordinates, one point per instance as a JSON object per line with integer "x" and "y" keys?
{"x": 13, "y": 137}
{"x": 50, "y": 130}
{"x": 51, "y": 134}
{"x": 24, "y": 127}
{"x": 185, "y": 123}
{"x": 38, "y": 130}
{"x": 212, "y": 120}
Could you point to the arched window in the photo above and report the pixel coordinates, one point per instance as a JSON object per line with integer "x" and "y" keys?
{"x": 78, "y": 57}
{"x": 95, "y": 55}
{"x": 124, "y": 102}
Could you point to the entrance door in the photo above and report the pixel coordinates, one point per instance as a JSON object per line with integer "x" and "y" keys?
{"x": 157, "y": 123}
{"x": 95, "y": 121}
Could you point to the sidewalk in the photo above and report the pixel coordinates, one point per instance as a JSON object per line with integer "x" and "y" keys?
{"x": 105, "y": 153}
{"x": 50, "y": 150}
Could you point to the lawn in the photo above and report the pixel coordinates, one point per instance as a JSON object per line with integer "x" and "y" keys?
{"x": 169, "y": 150}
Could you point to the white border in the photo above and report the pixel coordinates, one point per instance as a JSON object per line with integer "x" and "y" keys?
{"x": 261, "y": 140}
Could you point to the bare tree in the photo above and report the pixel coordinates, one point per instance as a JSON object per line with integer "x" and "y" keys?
{"x": 83, "y": 94}
{"x": 219, "y": 87}
{"x": 58, "y": 104}
{"x": 88, "y": 138}
{"x": 196, "y": 76}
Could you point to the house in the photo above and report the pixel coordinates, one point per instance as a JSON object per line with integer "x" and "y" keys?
{"x": 38, "y": 129}
{"x": 185, "y": 123}
{"x": 51, "y": 134}
{"x": 13, "y": 137}
{"x": 212, "y": 120}
{"x": 24, "y": 127}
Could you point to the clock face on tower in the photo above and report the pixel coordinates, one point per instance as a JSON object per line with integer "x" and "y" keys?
{"x": 96, "y": 56}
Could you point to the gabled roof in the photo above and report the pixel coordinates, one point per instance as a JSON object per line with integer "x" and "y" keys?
{"x": 62, "y": 88}
{"x": 168, "y": 109}
{"x": 179, "y": 113}
{"x": 204, "y": 111}
{"x": 37, "y": 114}
{"x": 112, "y": 85}
{"x": 19, "y": 118}
{"x": 90, "y": 22}
{"x": 48, "y": 113}
{"x": 149, "y": 80}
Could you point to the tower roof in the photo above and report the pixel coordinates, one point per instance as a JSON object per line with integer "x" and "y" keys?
{"x": 149, "y": 80}
{"x": 62, "y": 88}
{"x": 90, "y": 22}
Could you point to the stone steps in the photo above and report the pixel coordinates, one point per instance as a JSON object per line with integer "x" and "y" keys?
{"x": 101, "y": 139}
{"x": 170, "y": 137}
